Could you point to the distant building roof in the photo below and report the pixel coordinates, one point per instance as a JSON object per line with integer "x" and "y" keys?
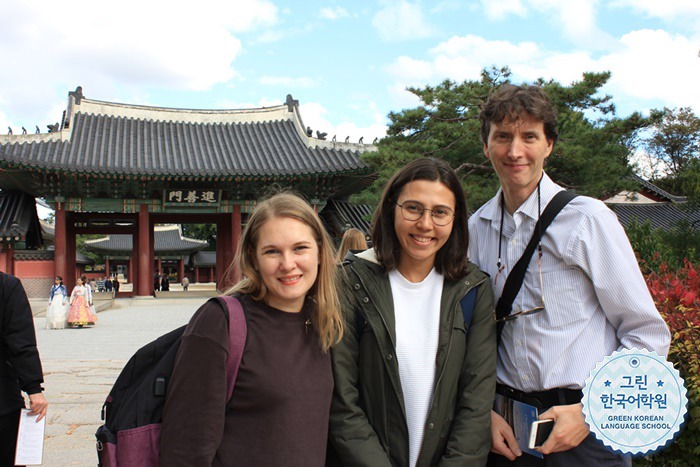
{"x": 18, "y": 219}
{"x": 167, "y": 239}
{"x": 48, "y": 255}
{"x": 661, "y": 215}
{"x": 340, "y": 215}
{"x": 204, "y": 259}
{"x": 652, "y": 203}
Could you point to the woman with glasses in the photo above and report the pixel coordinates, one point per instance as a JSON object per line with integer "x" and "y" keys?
{"x": 57, "y": 311}
{"x": 414, "y": 383}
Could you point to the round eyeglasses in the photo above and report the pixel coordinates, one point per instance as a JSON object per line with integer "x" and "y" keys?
{"x": 413, "y": 211}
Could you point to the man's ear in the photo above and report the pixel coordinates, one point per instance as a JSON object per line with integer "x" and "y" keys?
{"x": 486, "y": 151}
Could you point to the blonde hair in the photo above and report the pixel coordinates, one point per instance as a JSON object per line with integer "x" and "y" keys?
{"x": 353, "y": 239}
{"x": 325, "y": 314}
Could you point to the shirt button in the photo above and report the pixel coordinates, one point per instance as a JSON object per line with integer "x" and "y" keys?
{"x": 526, "y": 378}
{"x": 518, "y": 342}
{"x": 513, "y": 242}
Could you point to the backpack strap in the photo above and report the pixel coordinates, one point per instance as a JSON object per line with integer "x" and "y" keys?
{"x": 468, "y": 302}
{"x": 237, "y": 331}
{"x": 514, "y": 282}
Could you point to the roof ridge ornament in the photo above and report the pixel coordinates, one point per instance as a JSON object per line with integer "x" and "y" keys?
{"x": 291, "y": 103}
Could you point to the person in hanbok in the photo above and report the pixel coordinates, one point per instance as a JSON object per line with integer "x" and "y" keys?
{"x": 58, "y": 305}
{"x": 80, "y": 312}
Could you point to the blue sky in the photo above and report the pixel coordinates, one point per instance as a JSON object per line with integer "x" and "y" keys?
{"x": 348, "y": 63}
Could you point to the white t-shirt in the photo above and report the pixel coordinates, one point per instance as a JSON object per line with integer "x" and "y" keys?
{"x": 417, "y": 314}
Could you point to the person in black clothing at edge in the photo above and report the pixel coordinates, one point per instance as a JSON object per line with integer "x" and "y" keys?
{"x": 20, "y": 367}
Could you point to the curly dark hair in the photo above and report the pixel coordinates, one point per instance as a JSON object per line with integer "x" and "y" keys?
{"x": 509, "y": 102}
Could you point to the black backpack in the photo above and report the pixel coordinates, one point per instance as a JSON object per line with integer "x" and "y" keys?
{"x": 133, "y": 410}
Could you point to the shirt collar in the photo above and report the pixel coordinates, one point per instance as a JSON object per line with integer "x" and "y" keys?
{"x": 492, "y": 209}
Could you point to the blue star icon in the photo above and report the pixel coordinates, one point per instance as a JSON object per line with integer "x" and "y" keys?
{"x": 607, "y": 384}
{"x": 660, "y": 383}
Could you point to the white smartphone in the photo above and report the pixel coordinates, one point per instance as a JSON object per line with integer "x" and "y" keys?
{"x": 539, "y": 432}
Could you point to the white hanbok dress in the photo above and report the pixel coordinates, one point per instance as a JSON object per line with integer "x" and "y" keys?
{"x": 57, "y": 311}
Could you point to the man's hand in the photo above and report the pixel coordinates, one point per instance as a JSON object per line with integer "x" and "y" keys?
{"x": 38, "y": 405}
{"x": 502, "y": 438}
{"x": 569, "y": 429}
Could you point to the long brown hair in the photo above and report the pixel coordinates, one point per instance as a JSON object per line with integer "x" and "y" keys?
{"x": 325, "y": 314}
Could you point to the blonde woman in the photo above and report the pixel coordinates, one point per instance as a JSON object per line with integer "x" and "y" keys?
{"x": 353, "y": 241}
{"x": 278, "y": 414}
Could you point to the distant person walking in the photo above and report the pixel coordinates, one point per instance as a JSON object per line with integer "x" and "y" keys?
{"x": 57, "y": 311}
{"x": 80, "y": 312}
{"x": 185, "y": 283}
{"x": 20, "y": 366}
{"x": 156, "y": 281}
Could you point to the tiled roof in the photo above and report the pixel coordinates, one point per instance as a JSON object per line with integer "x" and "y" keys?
{"x": 338, "y": 215}
{"x": 662, "y": 215}
{"x": 47, "y": 255}
{"x": 204, "y": 259}
{"x": 167, "y": 240}
{"x": 646, "y": 185}
{"x": 107, "y": 138}
{"x": 18, "y": 218}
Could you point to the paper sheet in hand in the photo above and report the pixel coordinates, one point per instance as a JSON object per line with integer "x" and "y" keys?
{"x": 519, "y": 416}
{"x": 30, "y": 439}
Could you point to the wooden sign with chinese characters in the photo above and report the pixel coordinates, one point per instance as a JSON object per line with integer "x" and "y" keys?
{"x": 191, "y": 197}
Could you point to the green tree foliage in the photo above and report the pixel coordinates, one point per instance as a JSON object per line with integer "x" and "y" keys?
{"x": 675, "y": 141}
{"x": 591, "y": 156}
{"x": 676, "y": 138}
{"x": 201, "y": 232}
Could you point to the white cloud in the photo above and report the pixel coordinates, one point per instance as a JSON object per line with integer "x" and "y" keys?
{"x": 106, "y": 48}
{"x": 333, "y": 13}
{"x": 648, "y": 67}
{"x": 288, "y": 82}
{"x": 667, "y": 10}
{"x": 315, "y": 116}
{"x": 400, "y": 21}
{"x": 499, "y": 9}
{"x": 655, "y": 65}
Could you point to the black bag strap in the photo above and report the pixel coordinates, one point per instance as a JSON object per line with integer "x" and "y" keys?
{"x": 515, "y": 279}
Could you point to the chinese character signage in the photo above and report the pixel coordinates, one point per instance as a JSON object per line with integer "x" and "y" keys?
{"x": 191, "y": 197}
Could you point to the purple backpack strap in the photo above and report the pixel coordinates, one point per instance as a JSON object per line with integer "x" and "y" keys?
{"x": 237, "y": 331}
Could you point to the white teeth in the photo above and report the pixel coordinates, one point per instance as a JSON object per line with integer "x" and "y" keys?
{"x": 422, "y": 239}
{"x": 289, "y": 279}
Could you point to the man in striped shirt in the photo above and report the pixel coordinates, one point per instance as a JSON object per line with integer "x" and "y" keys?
{"x": 581, "y": 300}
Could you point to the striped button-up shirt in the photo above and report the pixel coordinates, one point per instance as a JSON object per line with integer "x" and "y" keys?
{"x": 595, "y": 298}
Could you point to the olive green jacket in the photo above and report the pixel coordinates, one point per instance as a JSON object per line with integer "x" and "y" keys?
{"x": 368, "y": 422}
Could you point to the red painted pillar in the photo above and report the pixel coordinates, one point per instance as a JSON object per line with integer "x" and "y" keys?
{"x": 145, "y": 262}
{"x": 181, "y": 270}
{"x": 196, "y": 274}
{"x": 10, "y": 259}
{"x": 107, "y": 267}
{"x": 59, "y": 254}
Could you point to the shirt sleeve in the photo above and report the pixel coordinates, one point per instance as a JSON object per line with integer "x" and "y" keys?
{"x": 19, "y": 338}
{"x": 195, "y": 405}
{"x": 602, "y": 250}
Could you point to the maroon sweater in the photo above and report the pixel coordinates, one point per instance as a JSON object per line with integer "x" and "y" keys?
{"x": 278, "y": 414}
